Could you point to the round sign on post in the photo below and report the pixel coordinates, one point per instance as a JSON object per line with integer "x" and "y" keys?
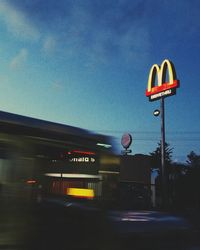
{"x": 126, "y": 140}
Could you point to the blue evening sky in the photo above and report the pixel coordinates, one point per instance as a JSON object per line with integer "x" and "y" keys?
{"x": 85, "y": 63}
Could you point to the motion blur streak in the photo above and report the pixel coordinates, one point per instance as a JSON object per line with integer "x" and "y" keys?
{"x": 36, "y": 173}
{"x": 81, "y": 192}
{"x": 85, "y": 176}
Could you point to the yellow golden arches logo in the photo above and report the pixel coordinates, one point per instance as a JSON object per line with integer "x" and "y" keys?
{"x": 162, "y": 88}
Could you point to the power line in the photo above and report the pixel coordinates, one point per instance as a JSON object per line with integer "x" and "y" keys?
{"x": 147, "y": 132}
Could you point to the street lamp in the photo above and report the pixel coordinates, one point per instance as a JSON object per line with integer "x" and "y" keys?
{"x": 156, "y": 112}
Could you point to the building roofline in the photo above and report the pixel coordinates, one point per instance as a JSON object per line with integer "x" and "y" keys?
{"x": 24, "y": 125}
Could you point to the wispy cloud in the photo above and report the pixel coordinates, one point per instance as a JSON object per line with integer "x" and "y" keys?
{"x": 19, "y": 60}
{"x": 17, "y": 22}
{"x": 107, "y": 31}
{"x": 49, "y": 45}
{"x": 57, "y": 85}
{"x": 96, "y": 31}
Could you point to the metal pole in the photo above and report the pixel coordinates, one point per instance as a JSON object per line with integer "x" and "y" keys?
{"x": 163, "y": 167}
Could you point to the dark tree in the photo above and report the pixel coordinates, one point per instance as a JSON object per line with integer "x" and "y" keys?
{"x": 192, "y": 178}
{"x": 193, "y": 160}
{"x": 156, "y": 156}
{"x": 156, "y": 164}
{"x": 186, "y": 184}
{"x": 183, "y": 179}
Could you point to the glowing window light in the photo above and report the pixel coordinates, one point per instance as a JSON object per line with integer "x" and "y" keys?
{"x": 81, "y": 192}
{"x": 31, "y": 181}
{"x": 81, "y": 176}
{"x": 53, "y": 174}
{"x": 108, "y": 172}
{"x": 104, "y": 145}
{"x": 82, "y": 152}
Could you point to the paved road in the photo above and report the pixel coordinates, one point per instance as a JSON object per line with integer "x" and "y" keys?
{"x": 64, "y": 225}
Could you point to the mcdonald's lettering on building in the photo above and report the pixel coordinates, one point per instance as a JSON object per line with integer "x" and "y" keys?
{"x": 161, "y": 84}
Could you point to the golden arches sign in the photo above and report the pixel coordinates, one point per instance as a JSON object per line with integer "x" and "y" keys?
{"x": 163, "y": 88}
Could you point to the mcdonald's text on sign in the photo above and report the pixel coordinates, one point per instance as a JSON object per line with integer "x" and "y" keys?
{"x": 163, "y": 88}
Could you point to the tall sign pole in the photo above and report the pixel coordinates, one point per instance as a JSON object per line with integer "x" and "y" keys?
{"x": 163, "y": 89}
{"x": 163, "y": 167}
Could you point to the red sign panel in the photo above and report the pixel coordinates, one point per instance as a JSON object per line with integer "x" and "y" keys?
{"x": 126, "y": 140}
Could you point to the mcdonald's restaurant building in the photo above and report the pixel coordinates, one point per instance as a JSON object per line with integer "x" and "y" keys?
{"x": 55, "y": 158}
{"x": 64, "y": 157}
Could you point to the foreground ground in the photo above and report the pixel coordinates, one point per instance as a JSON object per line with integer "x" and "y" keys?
{"x": 59, "y": 224}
